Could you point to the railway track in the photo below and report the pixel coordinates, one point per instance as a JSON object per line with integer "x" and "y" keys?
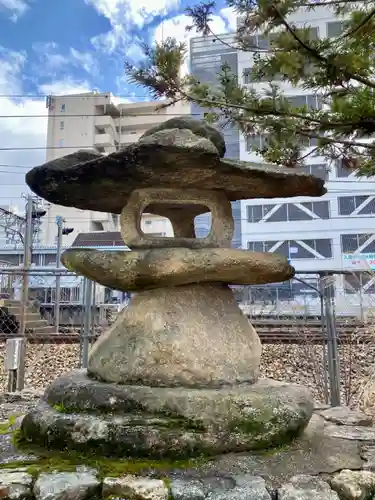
{"x": 270, "y": 331}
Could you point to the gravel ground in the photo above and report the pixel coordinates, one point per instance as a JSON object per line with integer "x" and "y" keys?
{"x": 293, "y": 363}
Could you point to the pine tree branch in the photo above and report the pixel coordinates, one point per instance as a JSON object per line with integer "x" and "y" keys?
{"x": 354, "y": 30}
{"x": 274, "y": 112}
{"x": 315, "y": 54}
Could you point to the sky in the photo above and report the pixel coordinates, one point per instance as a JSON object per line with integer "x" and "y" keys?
{"x": 66, "y": 47}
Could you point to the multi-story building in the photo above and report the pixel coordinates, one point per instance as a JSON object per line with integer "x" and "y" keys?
{"x": 207, "y": 55}
{"x": 334, "y": 232}
{"x": 98, "y": 122}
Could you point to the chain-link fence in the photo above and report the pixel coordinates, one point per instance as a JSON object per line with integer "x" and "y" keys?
{"x": 316, "y": 329}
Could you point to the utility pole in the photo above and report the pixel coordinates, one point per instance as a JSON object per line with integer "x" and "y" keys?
{"x": 20, "y": 376}
{"x": 61, "y": 231}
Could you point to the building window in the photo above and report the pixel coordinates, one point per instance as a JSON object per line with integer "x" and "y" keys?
{"x": 318, "y": 170}
{"x": 294, "y": 212}
{"x": 255, "y": 141}
{"x": 348, "y": 204}
{"x": 247, "y": 75}
{"x": 311, "y": 101}
{"x": 62, "y": 125}
{"x": 260, "y": 246}
{"x": 256, "y": 213}
{"x": 62, "y": 108}
{"x": 302, "y": 249}
{"x": 342, "y": 171}
{"x": 264, "y": 41}
{"x": 350, "y": 243}
{"x": 335, "y": 29}
{"x": 319, "y": 208}
{"x": 359, "y": 282}
{"x": 148, "y": 222}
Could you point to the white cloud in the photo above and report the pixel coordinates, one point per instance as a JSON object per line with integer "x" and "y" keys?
{"x": 23, "y": 124}
{"x": 122, "y": 12}
{"x": 51, "y": 60}
{"x": 66, "y": 87}
{"x": 16, "y": 8}
{"x": 175, "y": 27}
{"x": 230, "y": 17}
{"x": 84, "y": 60}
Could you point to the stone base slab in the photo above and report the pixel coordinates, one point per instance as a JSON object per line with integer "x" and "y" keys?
{"x": 78, "y": 412}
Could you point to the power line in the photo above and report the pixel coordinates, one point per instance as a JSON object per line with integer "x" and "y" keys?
{"x": 244, "y": 219}
{"x": 127, "y": 115}
{"x": 77, "y": 96}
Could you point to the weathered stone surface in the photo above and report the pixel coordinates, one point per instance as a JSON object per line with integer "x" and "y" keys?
{"x": 312, "y": 453}
{"x": 184, "y": 489}
{"x": 164, "y": 201}
{"x": 249, "y": 487}
{"x": 355, "y": 433}
{"x": 198, "y": 127}
{"x": 15, "y": 484}
{"x": 240, "y": 487}
{"x": 192, "y": 336}
{"x": 345, "y": 416}
{"x": 148, "y": 269}
{"x": 222, "y": 409}
{"x": 80, "y": 485}
{"x": 354, "y": 485}
{"x": 183, "y": 160}
{"x": 141, "y": 488}
{"x": 148, "y": 421}
{"x": 9, "y": 453}
{"x": 305, "y": 487}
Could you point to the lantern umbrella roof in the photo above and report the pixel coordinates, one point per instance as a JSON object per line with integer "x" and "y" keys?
{"x": 166, "y": 158}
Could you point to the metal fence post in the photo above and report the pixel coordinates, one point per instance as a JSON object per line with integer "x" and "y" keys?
{"x": 326, "y": 362}
{"x": 20, "y": 376}
{"x": 86, "y": 322}
{"x": 319, "y": 291}
{"x": 328, "y": 292}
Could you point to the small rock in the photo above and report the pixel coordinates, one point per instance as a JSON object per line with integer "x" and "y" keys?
{"x": 320, "y": 406}
{"x": 187, "y": 490}
{"x": 368, "y": 454}
{"x": 25, "y": 395}
{"x": 305, "y": 487}
{"x": 354, "y": 485}
{"x": 67, "y": 486}
{"x": 142, "y": 488}
{"x": 15, "y": 484}
{"x": 342, "y": 415}
{"x": 246, "y": 487}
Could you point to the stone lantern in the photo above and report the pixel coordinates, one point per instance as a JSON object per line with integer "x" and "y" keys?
{"x": 177, "y": 374}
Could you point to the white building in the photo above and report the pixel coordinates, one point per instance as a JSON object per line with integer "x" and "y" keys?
{"x": 316, "y": 234}
{"x": 335, "y": 232}
{"x": 98, "y": 122}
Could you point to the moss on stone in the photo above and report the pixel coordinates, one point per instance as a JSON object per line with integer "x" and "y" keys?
{"x": 69, "y": 461}
{"x": 60, "y": 408}
{"x": 6, "y": 427}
